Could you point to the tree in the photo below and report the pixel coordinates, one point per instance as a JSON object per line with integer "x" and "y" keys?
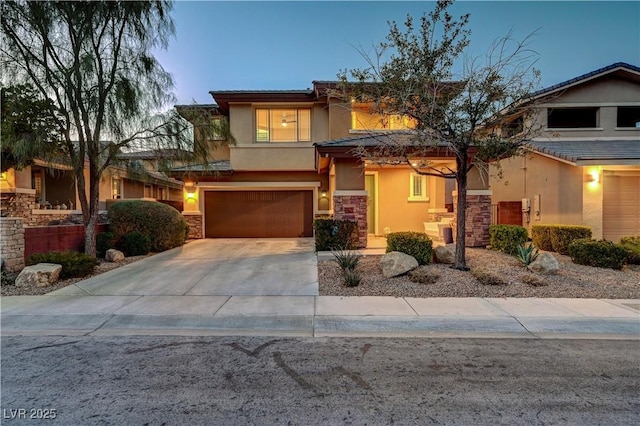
{"x": 92, "y": 61}
{"x": 28, "y": 131}
{"x": 475, "y": 116}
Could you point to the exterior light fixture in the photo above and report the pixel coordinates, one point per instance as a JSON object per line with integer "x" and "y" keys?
{"x": 323, "y": 193}
{"x": 191, "y": 195}
{"x": 593, "y": 177}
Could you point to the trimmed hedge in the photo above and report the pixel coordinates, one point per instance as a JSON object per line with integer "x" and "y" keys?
{"x": 104, "y": 242}
{"x": 73, "y": 264}
{"x": 507, "y": 238}
{"x": 563, "y": 235}
{"x": 416, "y": 244}
{"x": 557, "y": 237}
{"x": 632, "y": 245}
{"x": 541, "y": 237}
{"x": 135, "y": 244}
{"x": 162, "y": 224}
{"x": 601, "y": 254}
{"x": 335, "y": 234}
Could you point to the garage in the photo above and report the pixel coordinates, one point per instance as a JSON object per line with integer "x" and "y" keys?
{"x": 258, "y": 214}
{"x": 621, "y": 204}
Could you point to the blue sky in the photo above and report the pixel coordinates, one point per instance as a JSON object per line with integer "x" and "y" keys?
{"x": 287, "y": 45}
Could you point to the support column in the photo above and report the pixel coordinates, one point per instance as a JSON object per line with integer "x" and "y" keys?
{"x": 12, "y": 247}
{"x": 352, "y": 205}
{"x": 478, "y": 216}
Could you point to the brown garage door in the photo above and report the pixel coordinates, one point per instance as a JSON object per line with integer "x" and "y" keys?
{"x": 621, "y": 205}
{"x": 263, "y": 214}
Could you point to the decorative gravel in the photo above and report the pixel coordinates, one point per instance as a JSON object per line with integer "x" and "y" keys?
{"x": 32, "y": 290}
{"x": 572, "y": 281}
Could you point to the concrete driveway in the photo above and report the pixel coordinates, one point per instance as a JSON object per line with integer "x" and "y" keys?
{"x": 214, "y": 267}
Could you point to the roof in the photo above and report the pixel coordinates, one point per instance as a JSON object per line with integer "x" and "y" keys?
{"x": 212, "y": 166}
{"x": 591, "y": 152}
{"x": 224, "y": 97}
{"x": 609, "y": 69}
{"x": 153, "y": 154}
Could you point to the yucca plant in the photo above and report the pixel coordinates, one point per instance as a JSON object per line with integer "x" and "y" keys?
{"x": 526, "y": 254}
{"x": 351, "y": 277}
{"x": 347, "y": 260}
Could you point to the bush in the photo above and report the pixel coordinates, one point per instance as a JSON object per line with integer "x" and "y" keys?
{"x": 424, "y": 275}
{"x": 134, "y": 244}
{"x": 345, "y": 259}
{"x": 335, "y": 234}
{"x": 601, "y": 254}
{"x": 487, "y": 278}
{"x": 563, "y": 235}
{"x": 541, "y": 237}
{"x": 351, "y": 278}
{"x": 632, "y": 245}
{"x": 73, "y": 264}
{"x": 533, "y": 280}
{"x": 7, "y": 278}
{"x": 104, "y": 242}
{"x": 507, "y": 238}
{"x": 162, "y": 224}
{"x": 416, "y": 244}
{"x": 527, "y": 254}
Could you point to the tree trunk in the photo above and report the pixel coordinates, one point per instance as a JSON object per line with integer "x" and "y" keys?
{"x": 90, "y": 206}
{"x": 461, "y": 212}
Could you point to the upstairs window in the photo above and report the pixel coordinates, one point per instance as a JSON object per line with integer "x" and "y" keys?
{"x": 363, "y": 119}
{"x": 418, "y": 188}
{"x": 283, "y": 125}
{"x": 572, "y": 118}
{"x": 217, "y": 133}
{"x": 116, "y": 188}
{"x": 629, "y": 117}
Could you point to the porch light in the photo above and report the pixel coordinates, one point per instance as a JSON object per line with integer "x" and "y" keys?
{"x": 323, "y": 193}
{"x": 3, "y": 176}
{"x": 593, "y": 177}
{"x": 191, "y": 195}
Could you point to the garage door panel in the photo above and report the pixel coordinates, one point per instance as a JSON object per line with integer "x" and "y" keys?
{"x": 621, "y": 205}
{"x": 261, "y": 214}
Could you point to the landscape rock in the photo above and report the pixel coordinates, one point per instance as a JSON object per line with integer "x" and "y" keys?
{"x": 545, "y": 264}
{"x": 113, "y": 255}
{"x": 446, "y": 253}
{"x": 40, "y": 275}
{"x": 397, "y": 263}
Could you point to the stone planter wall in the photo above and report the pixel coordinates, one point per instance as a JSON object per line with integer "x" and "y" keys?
{"x": 352, "y": 207}
{"x": 12, "y": 247}
{"x": 478, "y": 217}
{"x": 195, "y": 225}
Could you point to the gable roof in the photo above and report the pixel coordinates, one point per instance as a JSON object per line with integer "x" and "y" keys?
{"x": 619, "y": 68}
{"x": 591, "y": 152}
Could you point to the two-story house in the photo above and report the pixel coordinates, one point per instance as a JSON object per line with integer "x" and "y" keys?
{"x": 584, "y": 167}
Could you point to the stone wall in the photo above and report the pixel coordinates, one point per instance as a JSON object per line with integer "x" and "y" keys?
{"x": 12, "y": 247}
{"x": 19, "y": 204}
{"x": 478, "y": 217}
{"x": 195, "y": 225}
{"x": 352, "y": 207}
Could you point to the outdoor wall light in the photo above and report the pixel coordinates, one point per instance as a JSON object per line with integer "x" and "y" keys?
{"x": 191, "y": 195}
{"x": 593, "y": 177}
{"x": 323, "y": 193}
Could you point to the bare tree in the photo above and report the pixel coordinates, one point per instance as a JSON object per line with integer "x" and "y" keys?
{"x": 477, "y": 115}
{"x": 93, "y": 62}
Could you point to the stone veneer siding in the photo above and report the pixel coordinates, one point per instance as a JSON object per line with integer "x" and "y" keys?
{"x": 353, "y": 207}
{"x": 19, "y": 204}
{"x": 195, "y": 225}
{"x": 12, "y": 247}
{"x": 478, "y": 219}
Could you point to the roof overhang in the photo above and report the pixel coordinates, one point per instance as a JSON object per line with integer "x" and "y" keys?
{"x": 596, "y": 152}
{"x": 225, "y": 97}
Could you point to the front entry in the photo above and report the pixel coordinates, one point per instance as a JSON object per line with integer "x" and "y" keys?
{"x": 370, "y": 187}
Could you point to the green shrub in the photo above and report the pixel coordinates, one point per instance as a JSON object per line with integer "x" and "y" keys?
{"x": 7, "y": 278}
{"x": 507, "y": 238}
{"x": 541, "y": 237}
{"x": 424, "y": 275}
{"x": 527, "y": 254}
{"x": 162, "y": 224}
{"x": 602, "y": 254}
{"x": 347, "y": 260}
{"x": 351, "y": 278}
{"x": 335, "y": 234}
{"x": 632, "y": 245}
{"x": 73, "y": 264}
{"x": 563, "y": 235}
{"x": 135, "y": 244}
{"x": 104, "y": 242}
{"x": 416, "y": 244}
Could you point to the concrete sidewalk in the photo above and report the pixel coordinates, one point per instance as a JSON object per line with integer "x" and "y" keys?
{"x": 320, "y": 316}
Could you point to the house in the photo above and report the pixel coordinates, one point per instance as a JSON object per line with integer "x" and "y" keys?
{"x": 45, "y": 192}
{"x": 584, "y": 167}
{"x": 293, "y": 161}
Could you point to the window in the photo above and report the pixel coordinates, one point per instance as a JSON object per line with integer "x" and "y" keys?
{"x": 629, "y": 117}
{"x": 363, "y": 119}
{"x": 418, "y": 188}
{"x": 217, "y": 129}
{"x": 283, "y": 125}
{"x": 36, "y": 183}
{"x": 572, "y": 118}
{"x": 116, "y": 188}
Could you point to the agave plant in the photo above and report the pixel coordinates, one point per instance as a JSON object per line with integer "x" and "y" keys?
{"x": 527, "y": 254}
{"x": 347, "y": 260}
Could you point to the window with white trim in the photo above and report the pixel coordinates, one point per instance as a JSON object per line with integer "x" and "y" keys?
{"x": 116, "y": 188}
{"x": 418, "y": 188}
{"x": 283, "y": 125}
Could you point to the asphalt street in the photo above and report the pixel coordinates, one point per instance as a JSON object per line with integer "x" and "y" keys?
{"x": 177, "y": 380}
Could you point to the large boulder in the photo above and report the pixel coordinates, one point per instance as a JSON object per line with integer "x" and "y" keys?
{"x": 446, "y": 253}
{"x": 545, "y": 264}
{"x": 397, "y": 263}
{"x": 113, "y": 255}
{"x": 40, "y": 275}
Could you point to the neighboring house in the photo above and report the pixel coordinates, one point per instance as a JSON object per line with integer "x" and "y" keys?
{"x": 584, "y": 168}
{"x": 46, "y": 192}
{"x": 292, "y": 161}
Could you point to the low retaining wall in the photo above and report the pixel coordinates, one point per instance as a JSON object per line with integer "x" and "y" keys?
{"x": 41, "y": 239}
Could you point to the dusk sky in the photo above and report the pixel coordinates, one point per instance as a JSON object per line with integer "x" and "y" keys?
{"x": 287, "y": 45}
